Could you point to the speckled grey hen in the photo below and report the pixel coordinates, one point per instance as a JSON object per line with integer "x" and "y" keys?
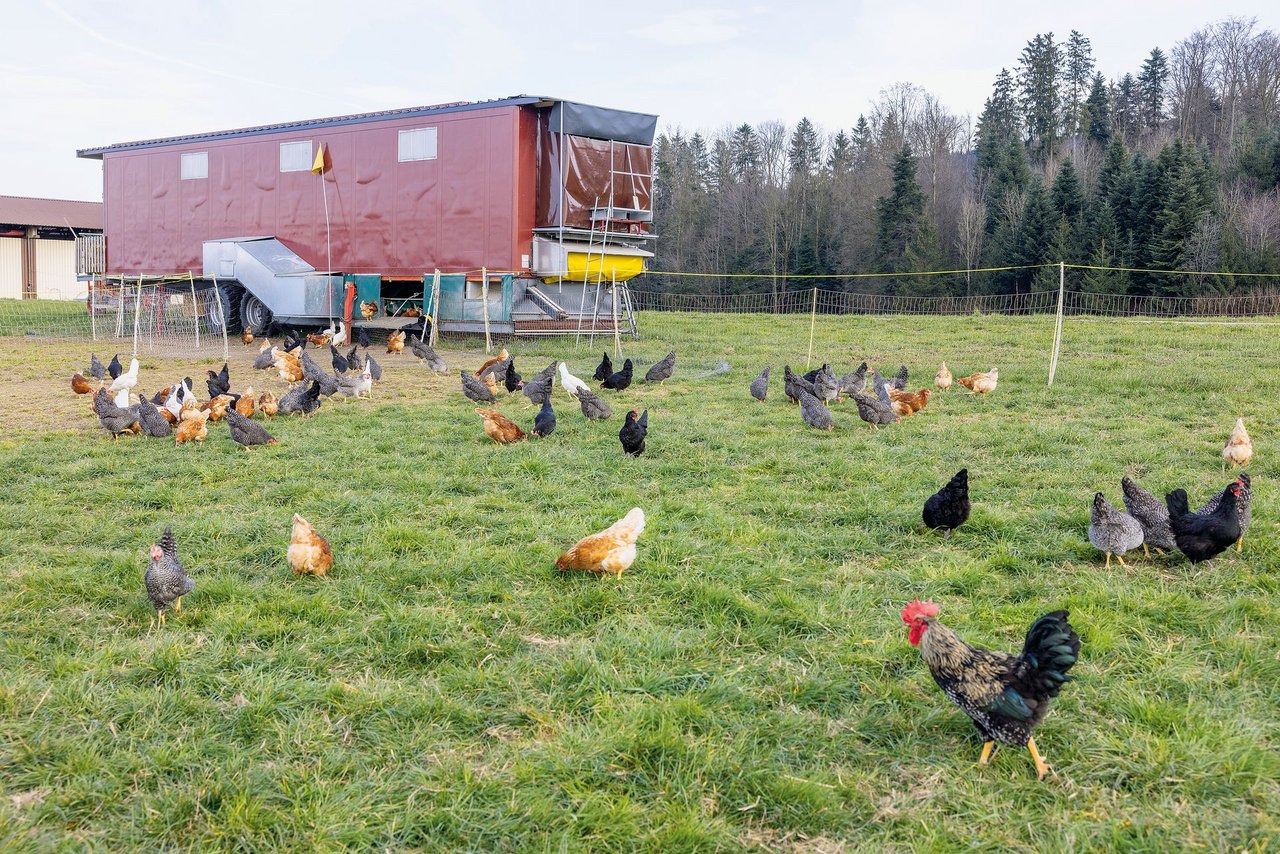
{"x": 1112, "y": 531}
{"x": 814, "y": 413}
{"x": 475, "y": 389}
{"x": 825, "y": 385}
{"x": 166, "y": 580}
{"x": 247, "y": 433}
{"x": 151, "y": 421}
{"x": 760, "y": 385}
{"x": 113, "y": 419}
{"x": 661, "y": 370}
{"x": 592, "y": 406}
{"x": 1152, "y": 515}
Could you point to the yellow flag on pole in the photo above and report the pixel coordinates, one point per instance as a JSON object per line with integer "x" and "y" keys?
{"x": 317, "y": 168}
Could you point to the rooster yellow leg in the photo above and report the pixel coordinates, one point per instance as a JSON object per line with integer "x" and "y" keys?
{"x": 1122, "y": 563}
{"x": 986, "y": 752}
{"x": 1042, "y": 767}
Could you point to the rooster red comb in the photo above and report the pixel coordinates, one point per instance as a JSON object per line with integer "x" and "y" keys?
{"x": 919, "y": 609}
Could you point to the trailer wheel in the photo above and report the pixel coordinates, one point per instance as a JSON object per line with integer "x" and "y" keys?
{"x": 254, "y": 314}
{"x": 228, "y": 297}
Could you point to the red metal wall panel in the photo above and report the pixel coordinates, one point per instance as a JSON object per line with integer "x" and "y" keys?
{"x": 471, "y": 207}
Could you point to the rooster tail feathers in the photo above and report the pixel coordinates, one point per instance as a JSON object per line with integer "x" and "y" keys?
{"x": 167, "y": 544}
{"x": 1051, "y": 649}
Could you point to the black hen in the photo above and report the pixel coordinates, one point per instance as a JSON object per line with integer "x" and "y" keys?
{"x": 633, "y": 432}
{"x": 340, "y": 364}
{"x": 544, "y": 423}
{"x": 362, "y": 338}
{"x": 512, "y": 382}
{"x": 115, "y": 369}
{"x": 604, "y": 369}
{"x": 1201, "y": 536}
{"x": 216, "y": 384}
{"x": 619, "y": 380}
{"x": 948, "y": 508}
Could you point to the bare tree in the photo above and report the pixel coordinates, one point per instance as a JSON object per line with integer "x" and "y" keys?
{"x": 971, "y": 235}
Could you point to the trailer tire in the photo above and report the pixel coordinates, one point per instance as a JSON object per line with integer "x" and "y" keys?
{"x": 254, "y": 314}
{"x": 229, "y": 297}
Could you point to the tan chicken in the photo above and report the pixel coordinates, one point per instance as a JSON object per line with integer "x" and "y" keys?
{"x": 245, "y": 405}
{"x": 309, "y": 553}
{"x": 287, "y": 365}
{"x": 168, "y": 416}
{"x": 318, "y": 339}
{"x": 499, "y": 427}
{"x": 368, "y": 310}
{"x": 981, "y": 383}
{"x": 247, "y": 336}
{"x": 943, "y": 378}
{"x": 1239, "y": 448}
{"x": 189, "y": 410}
{"x": 909, "y": 402}
{"x": 611, "y": 551}
{"x": 218, "y": 406}
{"x": 193, "y": 429}
{"x": 80, "y": 385}
{"x": 395, "y": 342}
{"x": 268, "y": 405}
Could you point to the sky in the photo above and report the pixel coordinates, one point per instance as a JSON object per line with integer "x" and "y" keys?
{"x": 83, "y": 74}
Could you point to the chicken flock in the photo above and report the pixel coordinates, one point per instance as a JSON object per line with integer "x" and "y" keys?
{"x": 1005, "y": 695}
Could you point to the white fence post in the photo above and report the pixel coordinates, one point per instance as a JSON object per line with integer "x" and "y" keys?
{"x": 1057, "y": 333}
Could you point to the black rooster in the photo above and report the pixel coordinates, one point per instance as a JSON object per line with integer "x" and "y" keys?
{"x": 633, "y": 432}
{"x": 604, "y": 369}
{"x": 619, "y": 380}
{"x": 1201, "y": 536}
{"x": 948, "y": 508}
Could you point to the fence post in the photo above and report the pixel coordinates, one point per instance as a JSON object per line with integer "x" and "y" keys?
{"x": 195, "y": 307}
{"x": 435, "y": 306}
{"x": 137, "y": 309}
{"x": 813, "y": 321}
{"x": 484, "y": 298}
{"x": 93, "y": 310}
{"x": 617, "y": 332}
{"x": 1057, "y": 333}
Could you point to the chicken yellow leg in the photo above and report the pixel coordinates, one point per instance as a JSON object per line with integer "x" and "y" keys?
{"x": 1146, "y": 552}
{"x": 177, "y": 606}
{"x": 986, "y": 752}
{"x": 1122, "y": 563}
{"x": 162, "y": 618}
{"x": 1240, "y": 544}
{"x": 1042, "y": 767}
{"x": 1108, "y": 566}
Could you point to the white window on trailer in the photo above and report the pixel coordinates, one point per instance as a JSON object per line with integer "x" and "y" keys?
{"x": 417, "y": 144}
{"x": 296, "y": 156}
{"x": 475, "y": 289}
{"x": 195, "y": 164}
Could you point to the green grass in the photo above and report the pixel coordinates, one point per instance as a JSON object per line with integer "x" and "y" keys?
{"x": 746, "y": 685}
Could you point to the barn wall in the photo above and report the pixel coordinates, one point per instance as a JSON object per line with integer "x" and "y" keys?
{"x": 10, "y": 268}
{"x": 471, "y": 207}
{"x": 56, "y": 270}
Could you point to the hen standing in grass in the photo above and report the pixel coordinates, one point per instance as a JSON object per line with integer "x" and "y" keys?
{"x": 1005, "y": 695}
{"x": 814, "y": 412}
{"x": 612, "y": 551}
{"x": 948, "y": 508}
{"x": 1151, "y": 514}
{"x": 661, "y": 370}
{"x": 1239, "y": 448}
{"x": 166, "y": 580}
{"x": 854, "y": 381}
{"x": 943, "y": 378}
{"x": 1201, "y": 536}
{"x": 1111, "y": 531}
{"x": 247, "y": 433}
{"x": 604, "y": 370}
{"x": 475, "y": 389}
{"x": 633, "y": 432}
{"x": 151, "y": 421}
{"x": 113, "y": 419}
{"x": 760, "y": 385}
{"x": 826, "y": 387}
{"x": 95, "y": 367}
{"x": 1244, "y": 505}
{"x": 592, "y": 406}
{"x": 309, "y": 553}
{"x": 538, "y": 389}
{"x": 544, "y": 423}
{"x": 619, "y": 380}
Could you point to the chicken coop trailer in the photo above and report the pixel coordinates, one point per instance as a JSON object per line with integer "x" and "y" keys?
{"x": 529, "y": 208}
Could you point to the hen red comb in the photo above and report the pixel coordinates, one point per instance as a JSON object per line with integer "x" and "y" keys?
{"x": 919, "y": 609}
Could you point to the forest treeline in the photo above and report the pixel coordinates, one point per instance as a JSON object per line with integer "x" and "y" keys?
{"x": 1174, "y": 166}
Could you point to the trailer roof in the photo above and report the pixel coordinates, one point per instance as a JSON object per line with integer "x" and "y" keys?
{"x": 637, "y": 120}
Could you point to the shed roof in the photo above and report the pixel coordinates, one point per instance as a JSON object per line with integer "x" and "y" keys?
{"x": 645, "y": 122}
{"x": 23, "y": 210}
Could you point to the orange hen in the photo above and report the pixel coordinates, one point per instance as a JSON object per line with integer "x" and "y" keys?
{"x": 611, "y": 551}
{"x": 499, "y": 427}
{"x": 309, "y": 553}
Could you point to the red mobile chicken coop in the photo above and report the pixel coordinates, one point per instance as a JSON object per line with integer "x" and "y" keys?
{"x": 295, "y": 223}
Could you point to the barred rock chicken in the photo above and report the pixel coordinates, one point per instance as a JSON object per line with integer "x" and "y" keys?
{"x": 112, "y": 418}
{"x": 544, "y": 423}
{"x": 193, "y": 429}
{"x": 265, "y": 357}
{"x": 499, "y": 427}
{"x": 166, "y": 580}
{"x": 948, "y": 508}
{"x": 475, "y": 390}
{"x": 1239, "y": 448}
{"x": 826, "y": 387}
{"x": 1151, "y": 514}
{"x": 814, "y": 412}
{"x": 793, "y": 384}
{"x": 854, "y": 381}
{"x": 152, "y": 422}
{"x": 292, "y": 402}
{"x": 661, "y": 370}
{"x": 604, "y": 370}
{"x": 538, "y": 389}
{"x": 309, "y": 553}
{"x": 247, "y": 433}
{"x": 1201, "y": 536}
{"x": 876, "y": 410}
{"x": 760, "y": 385}
{"x": 942, "y": 379}
{"x": 592, "y": 406}
{"x": 633, "y": 433}
{"x": 428, "y": 356}
{"x": 1005, "y": 695}
{"x": 612, "y": 551}
{"x": 1244, "y": 505}
{"x": 374, "y": 369}
{"x": 96, "y": 370}
{"x": 311, "y": 370}
{"x": 900, "y": 381}
{"x": 571, "y": 384}
{"x": 1112, "y": 531}
{"x": 619, "y": 380}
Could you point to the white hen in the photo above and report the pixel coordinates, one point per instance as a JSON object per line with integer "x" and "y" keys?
{"x": 127, "y": 380}
{"x": 570, "y": 383}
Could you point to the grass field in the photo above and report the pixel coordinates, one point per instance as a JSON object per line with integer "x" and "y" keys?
{"x": 747, "y": 685}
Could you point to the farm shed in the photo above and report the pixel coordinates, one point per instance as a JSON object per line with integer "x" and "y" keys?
{"x": 553, "y": 199}
{"x": 37, "y": 246}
